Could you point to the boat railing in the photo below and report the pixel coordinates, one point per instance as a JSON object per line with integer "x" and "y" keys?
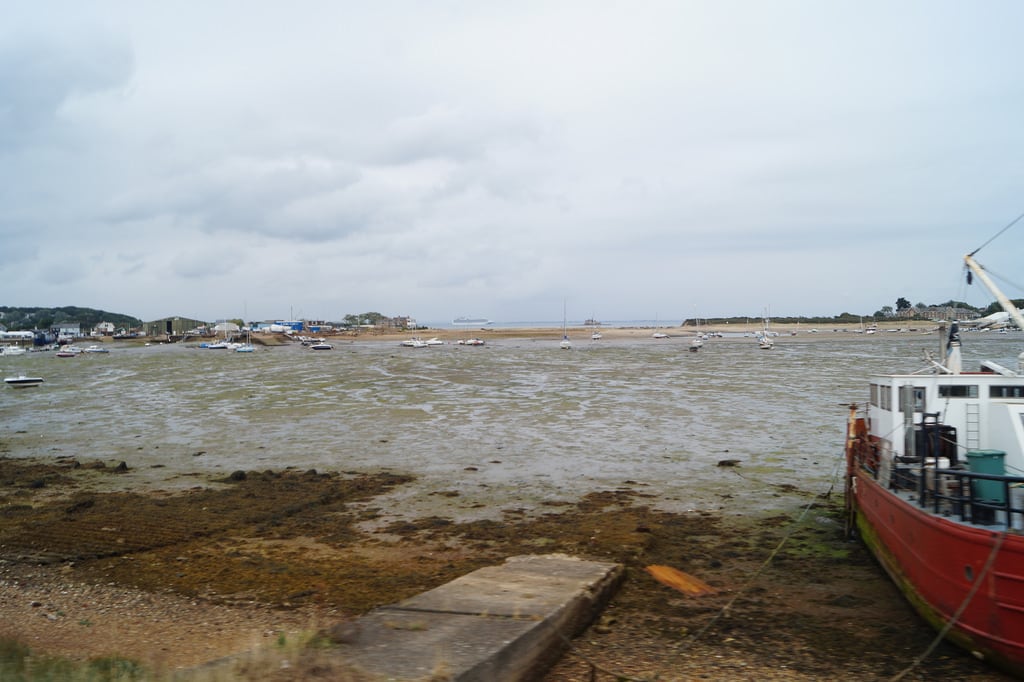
{"x": 972, "y": 497}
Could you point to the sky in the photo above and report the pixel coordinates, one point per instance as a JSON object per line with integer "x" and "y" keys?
{"x": 620, "y": 160}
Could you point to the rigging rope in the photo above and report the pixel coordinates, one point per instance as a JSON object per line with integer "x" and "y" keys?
{"x": 996, "y": 235}
{"x": 959, "y": 612}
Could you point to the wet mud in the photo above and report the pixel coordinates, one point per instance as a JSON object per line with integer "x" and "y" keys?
{"x": 802, "y": 600}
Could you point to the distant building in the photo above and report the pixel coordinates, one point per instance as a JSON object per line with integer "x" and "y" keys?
{"x": 399, "y": 322}
{"x": 937, "y": 313}
{"x": 173, "y": 326}
{"x": 67, "y": 331}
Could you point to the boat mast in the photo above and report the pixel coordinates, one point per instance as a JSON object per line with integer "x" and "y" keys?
{"x": 1008, "y": 306}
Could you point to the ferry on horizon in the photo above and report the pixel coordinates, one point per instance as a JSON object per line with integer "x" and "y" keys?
{"x": 471, "y": 321}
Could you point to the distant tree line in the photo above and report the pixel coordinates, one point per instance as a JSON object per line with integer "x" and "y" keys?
{"x": 17, "y": 318}
{"x": 885, "y": 312}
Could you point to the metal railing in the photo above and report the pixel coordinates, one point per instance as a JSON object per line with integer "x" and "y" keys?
{"x": 972, "y": 497}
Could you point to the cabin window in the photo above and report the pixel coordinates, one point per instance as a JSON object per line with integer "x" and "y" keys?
{"x": 960, "y": 391}
{"x": 918, "y": 397}
{"x": 885, "y": 398}
{"x": 874, "y": 394}
{"x": 1006, "y": 391}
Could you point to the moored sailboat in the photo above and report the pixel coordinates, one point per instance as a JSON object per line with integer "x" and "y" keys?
{"x": 565, "y": 343}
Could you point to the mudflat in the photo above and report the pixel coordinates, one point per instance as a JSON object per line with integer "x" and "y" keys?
{"x": 266, "y": 560}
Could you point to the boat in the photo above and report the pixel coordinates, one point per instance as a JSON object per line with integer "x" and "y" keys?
{"x": 246, "y": 347}
{"x": 929, "y": 493}
{"x": 471, "y": 342}
{"x": 22, "y": 381}
{"x": 764, "y": 337}
{"x": 95, "y": 349}
{"x": 434, "y": 341}
{"x": 565, "y": 343}
{"x": 471, "y": 321}
{"x": 12, "y": 350}
{"x": 698, "y": 339}
{"x": 414, "y": 342}
{"x": 321, "y": 345}
{"x": 69, "y": 352}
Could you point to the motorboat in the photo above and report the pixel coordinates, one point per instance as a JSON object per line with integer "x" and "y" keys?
{"x": 22, "y": 381}
{"x": 321, "y": 345}
{"x": 414, "y": 342}
{"x": 434, "y": 341}
{"x": 95, "y": 349}
{"x": 934, "y": 488}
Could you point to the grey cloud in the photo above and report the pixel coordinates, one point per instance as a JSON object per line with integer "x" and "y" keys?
{"x": 39, "y": 74}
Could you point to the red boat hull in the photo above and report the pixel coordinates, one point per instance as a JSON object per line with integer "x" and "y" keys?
{"x": 935, "y": 562}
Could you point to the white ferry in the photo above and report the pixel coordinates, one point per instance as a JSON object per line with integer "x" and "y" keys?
{"x": 471, "y": 321}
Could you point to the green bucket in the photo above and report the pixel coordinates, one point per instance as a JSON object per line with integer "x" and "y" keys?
{"x": 988, "y": 462}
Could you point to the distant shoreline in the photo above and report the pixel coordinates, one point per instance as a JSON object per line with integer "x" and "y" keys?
{"x": 615, "y": 332}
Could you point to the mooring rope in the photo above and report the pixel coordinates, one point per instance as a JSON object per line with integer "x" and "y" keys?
{"x": 595, "y": 666}
{"x": 959, "y": 612}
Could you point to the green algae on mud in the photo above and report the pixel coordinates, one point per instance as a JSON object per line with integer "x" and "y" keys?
{"x": 290, "y": 539}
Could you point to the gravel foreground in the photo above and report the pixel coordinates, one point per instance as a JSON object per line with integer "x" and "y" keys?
{"x": 275, "y": 562}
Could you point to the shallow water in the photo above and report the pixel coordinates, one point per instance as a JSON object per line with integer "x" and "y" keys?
{"x": 513, "y": 424}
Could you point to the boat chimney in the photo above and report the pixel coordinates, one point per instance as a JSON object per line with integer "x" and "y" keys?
{"x": 954, "y": 361}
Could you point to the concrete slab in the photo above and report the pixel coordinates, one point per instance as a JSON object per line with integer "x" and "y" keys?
{"x": 498, "y": 624}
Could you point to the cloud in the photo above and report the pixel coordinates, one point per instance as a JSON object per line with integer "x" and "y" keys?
{"x": 468, "y": 158}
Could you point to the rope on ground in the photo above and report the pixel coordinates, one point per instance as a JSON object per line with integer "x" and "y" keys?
{"x": 767, "y": 562}
{"x": 959, "y": 612}
{"x": 597, "y": 667}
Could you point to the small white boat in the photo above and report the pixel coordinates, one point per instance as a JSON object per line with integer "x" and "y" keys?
{"x": 434, "y": 341}
{"x": 95, "y": 349}
{"x": 322, "y": 345}
{"x": 565, "y": 343}
{"x": 471, "y": 342}
{"x": 659, "y": 335}
{"x": 696, "y": 344}
{"x": 596, "y": 336}
{"x": 12, "y": 350}
{"x": 414, "y": 342}
{"x": 23, "y": 381}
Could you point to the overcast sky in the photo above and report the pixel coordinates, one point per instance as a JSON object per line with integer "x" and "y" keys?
{"x": 436, "y": 159}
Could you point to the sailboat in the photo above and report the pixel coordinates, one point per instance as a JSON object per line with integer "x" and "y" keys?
{"x": 698, "y": 340}
{"x": 764, "y": 339}
{"x": 566, "y": 344}
{"x": 246, "y": 347}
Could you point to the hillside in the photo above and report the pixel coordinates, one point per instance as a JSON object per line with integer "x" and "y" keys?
{"x": 17, "y": 318}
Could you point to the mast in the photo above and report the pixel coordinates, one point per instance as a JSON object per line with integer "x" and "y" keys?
{"x": 1008, "y": 306}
